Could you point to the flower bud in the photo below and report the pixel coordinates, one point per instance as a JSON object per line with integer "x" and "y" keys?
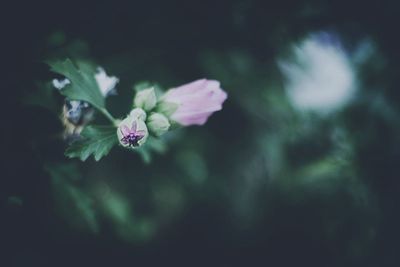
{"x": 158, "y": 124}
{"x": 138, "y": 113}
{"x": 145, "y": 99}
{"x": 193, "y": 103}
{"x": 132, "y": 132}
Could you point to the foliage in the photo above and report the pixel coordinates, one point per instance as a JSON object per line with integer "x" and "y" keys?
{"x": 261, "y": 178}
{"x": 97, "y": 141}
{"x": 83, "y": 84}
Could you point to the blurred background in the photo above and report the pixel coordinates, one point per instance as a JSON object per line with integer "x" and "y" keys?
{"x": 300, "y": 168}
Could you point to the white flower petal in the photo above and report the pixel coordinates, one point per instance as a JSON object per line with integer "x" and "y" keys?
{"x": 320, "y": 77}
{"x": 106, "y": 83}
{"x": 60, "y": 84}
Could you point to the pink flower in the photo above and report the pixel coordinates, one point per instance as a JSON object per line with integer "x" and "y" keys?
{"x": 132, "y": 131}
{"x": 195, "y": 101}
{"x": 131, "y": 136}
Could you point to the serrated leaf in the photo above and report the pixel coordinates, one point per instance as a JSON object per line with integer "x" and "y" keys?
{"x": 83, "y": 83}
{"x": 97, "y": 141}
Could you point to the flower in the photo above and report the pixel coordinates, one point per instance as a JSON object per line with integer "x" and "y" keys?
{"x": 138, "y": 113}
{"x": 132, "y": 132}
{"x": 60, "y": 84}
{"x": 158, "y": 124}
{"x": 106, "y": 83}
{"x": 320, "y": 77}
{"x": 193, "y": 103}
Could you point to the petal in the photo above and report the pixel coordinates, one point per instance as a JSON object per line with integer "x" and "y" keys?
{"x": 60, "y": 84}
{"x": 186, "y": 89}
{"x": 134, "y": 126}
{"x": 212, "y": 85}
{"x": 125, "y": 130}
{"x": 193, "y": 119}
{"x": 200, "y": 104}
{"x": 106, "y": 83}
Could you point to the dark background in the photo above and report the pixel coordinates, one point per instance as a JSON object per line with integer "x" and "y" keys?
{"x": 174, "y": 42}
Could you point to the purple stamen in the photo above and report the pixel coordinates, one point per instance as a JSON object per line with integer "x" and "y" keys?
{"x": 131, "y": 137}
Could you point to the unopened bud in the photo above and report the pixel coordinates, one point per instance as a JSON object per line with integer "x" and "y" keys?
{"x": 158, "y": 124}
{"x": 145, "y": 99}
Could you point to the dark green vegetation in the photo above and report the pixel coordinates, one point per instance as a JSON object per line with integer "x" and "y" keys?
{"x": 260, "y": 184}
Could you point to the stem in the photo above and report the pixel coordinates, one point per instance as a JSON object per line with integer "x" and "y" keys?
{"x": 108, "y": 116}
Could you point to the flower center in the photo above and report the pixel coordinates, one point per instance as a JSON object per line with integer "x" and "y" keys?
{"x": 131, "y": 139}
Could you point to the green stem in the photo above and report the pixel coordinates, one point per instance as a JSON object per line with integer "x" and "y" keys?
{"x": 109, "y": 116}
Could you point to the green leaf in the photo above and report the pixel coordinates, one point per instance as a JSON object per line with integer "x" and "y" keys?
{"x": 98, "y": 141}
{"x": 83, "y": 83}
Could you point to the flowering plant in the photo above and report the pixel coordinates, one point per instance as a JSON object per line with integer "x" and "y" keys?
{"x": 151, "y": 116}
